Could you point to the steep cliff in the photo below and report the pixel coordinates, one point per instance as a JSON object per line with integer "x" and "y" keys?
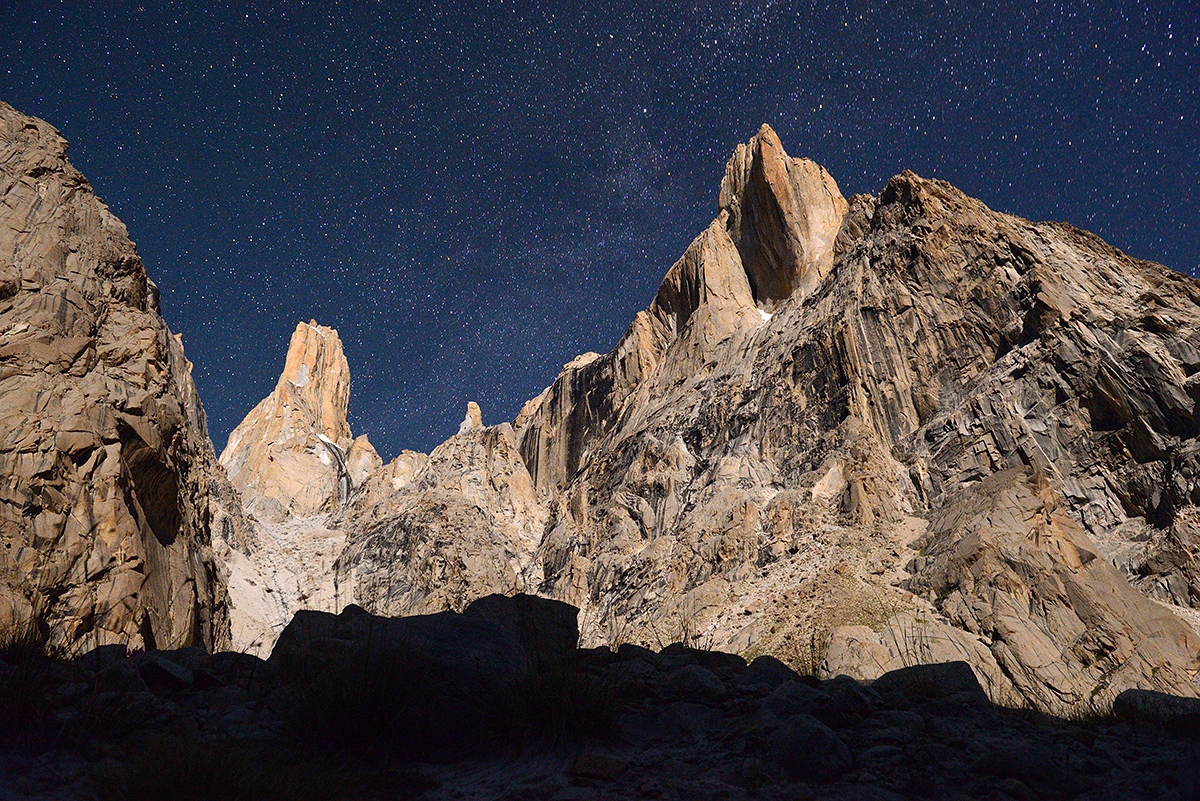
{"x": 294, "y": 463}
{"x": 110, "y": 485}
{"x": 855, "y": 434}
{"x": 288, "y": 457}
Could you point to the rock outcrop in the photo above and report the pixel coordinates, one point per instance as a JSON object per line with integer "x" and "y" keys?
{"x": 110, "y": 485}
{"x": 289, "y": 457}
{"x": 295, "y": 464}
{"x": 794, "y": 448}
{"x": 464, "y": 522}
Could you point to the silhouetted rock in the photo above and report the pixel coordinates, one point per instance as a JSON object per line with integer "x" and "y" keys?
{"x": 163, "y": 674}
{"x": 939, "y": 680}
{"x": 692, "y": 683}
{"x": 810, "y": 750}
{"x": 489, "y": 641}
{"x": 767, "y": 671}
{"x": 546, "y": 629}
{"x": 1148, "y": 705}
{"x": 438, "y": 697}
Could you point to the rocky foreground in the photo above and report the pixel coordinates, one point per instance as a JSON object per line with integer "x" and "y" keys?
{"x": 497, "y": 702}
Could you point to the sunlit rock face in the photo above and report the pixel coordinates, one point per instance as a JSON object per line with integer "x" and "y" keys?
{"x": 110, "y": 486}
{"x": 289, "y": 456}
{"x": 295, "y": 463}
{"x": 855, "y": 434}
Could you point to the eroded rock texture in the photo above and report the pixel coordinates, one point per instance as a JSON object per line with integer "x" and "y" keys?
{"x": 858, "y": 435}
{"x": 464, "y": 522}
{"x": 294, "y": 463}
{"x": 109, "y": 491}
{"x": 289, "y": 456}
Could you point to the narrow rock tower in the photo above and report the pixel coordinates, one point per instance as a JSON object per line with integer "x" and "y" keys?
{"x": 289, "y": 456}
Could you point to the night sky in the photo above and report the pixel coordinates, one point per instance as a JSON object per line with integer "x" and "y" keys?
{"x": 473, "y": 194}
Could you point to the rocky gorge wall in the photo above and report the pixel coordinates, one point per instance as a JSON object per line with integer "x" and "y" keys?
{"x": 110, "y": 487}
{"x": 856, "y": 434}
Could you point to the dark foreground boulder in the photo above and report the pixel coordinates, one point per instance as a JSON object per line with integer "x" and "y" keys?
{"x": 438, "y": 687}
{"x": 547, "y": 630}
{"x": 503, "y": 638}
{"x": 1175, "y": 713}
{"x": 941, "y": 680}
{"x": 810, "y": 750}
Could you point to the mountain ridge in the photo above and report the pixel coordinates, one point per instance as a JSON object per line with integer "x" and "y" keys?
{"x": 852, "y": 433}
{"x": 765, "y": 455}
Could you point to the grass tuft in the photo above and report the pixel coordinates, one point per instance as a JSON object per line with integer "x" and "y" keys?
{"x": 27, "y": 664}
{"x": 26, "y": 644}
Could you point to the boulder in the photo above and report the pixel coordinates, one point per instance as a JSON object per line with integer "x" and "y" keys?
{"x": 943, "y": 680}
{"x": 768, "y": 672}
{"x": 692, "y": 683}
{"x": 1149, "y": 705}
{"x": 810, "y": 751}
{"x": 160, "y": 673}
{"x": 449, "y": 642}
{"x": 546, "y": 629}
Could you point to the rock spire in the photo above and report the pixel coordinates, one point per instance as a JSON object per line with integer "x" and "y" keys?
{"x": 857, "y": 435}
{"x": 288, "y": 457}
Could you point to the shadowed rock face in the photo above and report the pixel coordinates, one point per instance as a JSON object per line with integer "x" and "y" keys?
{"x": 110, "y": 487}
{"x": 854, "y": 434}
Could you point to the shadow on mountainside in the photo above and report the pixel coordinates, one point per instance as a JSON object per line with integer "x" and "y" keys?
{"x": 498, "y": 702}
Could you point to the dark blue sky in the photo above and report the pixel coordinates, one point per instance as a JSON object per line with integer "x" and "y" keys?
{"x": 473, "y": 194}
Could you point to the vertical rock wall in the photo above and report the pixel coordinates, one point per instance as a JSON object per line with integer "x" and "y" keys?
{"x": 106, "y": 469}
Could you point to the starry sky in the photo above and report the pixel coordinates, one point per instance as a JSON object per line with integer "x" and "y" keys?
{"x": 474, "y": 193}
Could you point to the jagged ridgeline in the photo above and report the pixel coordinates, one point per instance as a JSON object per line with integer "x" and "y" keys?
{"x": 856, "y": 434}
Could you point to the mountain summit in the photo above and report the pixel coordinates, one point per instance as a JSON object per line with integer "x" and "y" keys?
{"x": 288, "y": 456}
{"x": 857, "y": 435}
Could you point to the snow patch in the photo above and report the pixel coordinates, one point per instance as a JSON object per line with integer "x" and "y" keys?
{"x": 766, "y": 316}
{"x": 301, "y": 379}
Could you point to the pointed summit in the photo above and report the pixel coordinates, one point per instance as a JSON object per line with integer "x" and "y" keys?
{"x": 316, "y": 379}
{"x": 783, "y": 214}
{"x": 289, "y": 456}
{"x": 773, "y": 238}
{"x": 473, "y": 420}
